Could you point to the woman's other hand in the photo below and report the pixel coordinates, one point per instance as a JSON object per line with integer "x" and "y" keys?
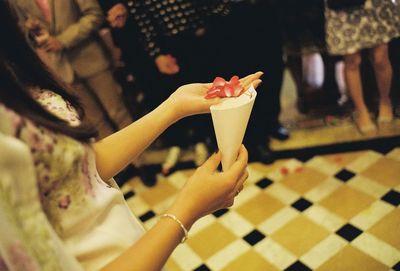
{"x": 167, "y": 64}
{"x": 117, "y": 16}
{"x": 189, "y": 99}
{"x": 208, "y": 190}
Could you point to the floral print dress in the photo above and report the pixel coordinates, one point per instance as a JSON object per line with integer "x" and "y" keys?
{"x": 349, "y": 31}
{"x": 56, "y": 213}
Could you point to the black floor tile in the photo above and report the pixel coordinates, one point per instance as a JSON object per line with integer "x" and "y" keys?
{"x": 254, "y": 237}
{"x": 147, "y": 216}
{"x": 396, "y": 267}
{"x": 202, "y": 267}
{"x": 349, "y": 232}
{"x": 220, "y": 213}
{"x": 344, "y": 175}
{"x": 298, "y": 266}
{"x": 392, "y": 197}
{"x": 264, "y": 183}
{"x": 301, "y": 204}
{"x": 129, "y": 194}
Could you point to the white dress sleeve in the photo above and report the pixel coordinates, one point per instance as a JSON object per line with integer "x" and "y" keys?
{"x": 27, "y": 240}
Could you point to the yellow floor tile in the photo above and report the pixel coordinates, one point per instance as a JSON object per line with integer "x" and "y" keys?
{"x": 210, "y": 240}
{"x": 386, "y": 171}
{"x": 259, "y": 208}
{"x": 343, "y": 159}
{"x": 265, "y": 169}
{"x": 171, "y": 265}
{"x": 350, "y": 258}
{"x": 158, "y": 193}
{"x": 300, "y": 235}
{"x": 304, "y": 180}
{"x": 250, "y": 260}
{"x": 347, "y": 201}
{"x": 388, "y": 228}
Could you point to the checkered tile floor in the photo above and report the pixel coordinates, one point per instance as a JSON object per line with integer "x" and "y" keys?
{"x": 332, "y": 212}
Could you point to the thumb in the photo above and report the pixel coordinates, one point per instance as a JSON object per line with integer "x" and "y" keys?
{"x": 212, "y": 163}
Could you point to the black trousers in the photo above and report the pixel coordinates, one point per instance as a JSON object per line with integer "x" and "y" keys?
{"x": 250, "y": 40}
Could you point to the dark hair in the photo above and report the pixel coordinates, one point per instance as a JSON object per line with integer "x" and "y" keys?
{"x": 21, "y": 69}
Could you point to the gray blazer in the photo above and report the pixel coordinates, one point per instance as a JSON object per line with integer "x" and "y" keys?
{"x": 75, "y": 24}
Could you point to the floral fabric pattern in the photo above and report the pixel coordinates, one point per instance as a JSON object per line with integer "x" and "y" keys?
{"x": 57, "y": 206}
{"x": 349, "y": 31}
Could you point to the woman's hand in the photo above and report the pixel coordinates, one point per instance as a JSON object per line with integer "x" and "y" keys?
{"x": 189, "y": 99}
{"x": 117, "y": 16}
{"x": 209, "y": 190}
{"x": 167, "y": 64}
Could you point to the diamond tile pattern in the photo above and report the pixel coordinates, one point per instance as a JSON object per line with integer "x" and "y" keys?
{"x": 392, "y": 197}
{"x": 349, "y": 232}
{"x": 301, "y": 204}
{"x": 254, "y": 237}
{"x": 296, "y": 216}
{"x": 264, "y": 183}
{"x": 344, "y": 175}
{"x": 298, "y": 266}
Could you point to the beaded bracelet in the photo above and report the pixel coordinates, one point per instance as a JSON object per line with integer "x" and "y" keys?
{"x": 174, "y": 218}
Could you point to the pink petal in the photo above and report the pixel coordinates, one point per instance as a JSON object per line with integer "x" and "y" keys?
{"x": 238, "y": 90}
{"x": 234, "y": 80}
{"x": 211, "y": 96}
{"x": 219, "y": 81}
{"x": 284, "y": 171}
{"x": 228, "y": 90}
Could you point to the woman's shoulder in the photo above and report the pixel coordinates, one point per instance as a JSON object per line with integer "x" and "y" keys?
{"x": 56, "y": 105}
{"x": 11, "y": 122}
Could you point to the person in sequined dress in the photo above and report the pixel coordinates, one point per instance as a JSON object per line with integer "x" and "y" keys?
{"x": 175, "y": 36}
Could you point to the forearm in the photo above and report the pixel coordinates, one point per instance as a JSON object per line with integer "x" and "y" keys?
{"x": 116, "y": 151}
{"x": 151, "y": 251}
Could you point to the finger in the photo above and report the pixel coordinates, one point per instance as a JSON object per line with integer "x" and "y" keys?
{"x": 212, "y": 163}
{"x": 240, "y": 164}
{"x": 256, "y": 83}
{"x": 213, "y": 101}
{"x": 251, "y": 77}
{"x": 240, "y": 184}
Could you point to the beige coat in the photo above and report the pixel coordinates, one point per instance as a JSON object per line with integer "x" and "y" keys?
{"x": 74, "y": 23}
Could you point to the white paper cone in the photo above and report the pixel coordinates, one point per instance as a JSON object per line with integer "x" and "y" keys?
{"x": 230, "y": 120}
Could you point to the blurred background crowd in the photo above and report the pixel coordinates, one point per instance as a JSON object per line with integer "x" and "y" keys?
{"x": 125, "y": 57}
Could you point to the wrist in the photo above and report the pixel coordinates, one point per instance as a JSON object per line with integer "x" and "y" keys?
{"x": 183, "y": 214}
{"x": 171, "y": 108}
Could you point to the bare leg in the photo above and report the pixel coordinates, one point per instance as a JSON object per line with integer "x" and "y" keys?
{"x": 341, "y": 82}
{"x": 383, "y": 72}
{"x": 353, "y": 79}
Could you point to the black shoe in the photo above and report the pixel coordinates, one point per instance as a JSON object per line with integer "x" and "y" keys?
{"x": 302, "y": 106}
{"x": 148, "y": 175}
{"x": 262, "y": 153}
{"x": 126, "y": 174}
{"x": 279, "y": 132}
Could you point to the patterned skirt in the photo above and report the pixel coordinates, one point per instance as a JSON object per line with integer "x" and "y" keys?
{"x": 350, "y": 31}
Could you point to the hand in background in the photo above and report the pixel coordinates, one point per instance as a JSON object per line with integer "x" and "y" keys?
{"x": 52, "y": 44}
{"x": 167, "y": 64}
{"x": 208, "y": 190}
{"x": 189, "y": 99}
{"x": 117, "y": 16}
{"x": 37, "y": 32}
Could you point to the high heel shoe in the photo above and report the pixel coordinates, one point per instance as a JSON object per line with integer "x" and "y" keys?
{"x": 201, "y": 153}
{"x": 368, "y": 129}
{"x": 171, "y": 160}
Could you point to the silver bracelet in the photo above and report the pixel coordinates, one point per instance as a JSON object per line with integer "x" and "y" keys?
{"x": 174, "y": 218}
